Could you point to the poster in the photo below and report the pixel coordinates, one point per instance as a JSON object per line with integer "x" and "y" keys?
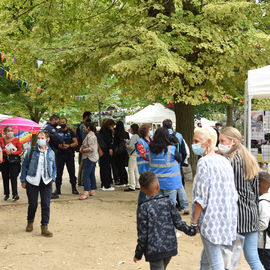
{"x": 257, "y": 127}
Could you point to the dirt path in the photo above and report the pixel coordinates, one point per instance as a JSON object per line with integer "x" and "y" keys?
{"x": 98, "y": 233}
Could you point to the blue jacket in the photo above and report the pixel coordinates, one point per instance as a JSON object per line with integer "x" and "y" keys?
{"x": 32, "y": 170}
{"x": 167, "y": 168}
{"x": 143, "y": 165}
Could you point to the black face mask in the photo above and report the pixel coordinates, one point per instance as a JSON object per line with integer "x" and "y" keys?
{"x": 55, "y": 125}
{"x": 63, "y": 126}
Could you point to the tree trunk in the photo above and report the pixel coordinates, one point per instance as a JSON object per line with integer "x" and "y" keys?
{"x": 229, "y": 115}
{"x": 185, "y": 125}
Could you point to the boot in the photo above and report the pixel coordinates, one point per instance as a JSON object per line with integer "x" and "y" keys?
{"x": 57, "y": 191}
{"x": 74, "y": 190}
{"x": 45, "y": 232}
{"x": 29, "y": 226}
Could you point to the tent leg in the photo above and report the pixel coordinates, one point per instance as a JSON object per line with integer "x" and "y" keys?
{"x": 249, "y": 123}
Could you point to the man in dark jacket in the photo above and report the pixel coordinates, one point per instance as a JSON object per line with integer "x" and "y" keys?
{"x": 157, "y": 218}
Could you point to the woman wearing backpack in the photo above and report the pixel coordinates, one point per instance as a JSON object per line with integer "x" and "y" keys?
{"x": 246, "y": 181}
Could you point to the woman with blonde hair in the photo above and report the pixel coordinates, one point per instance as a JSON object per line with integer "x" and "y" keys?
{"x": 214, "y": 199}
{"x": 246, "y": 181}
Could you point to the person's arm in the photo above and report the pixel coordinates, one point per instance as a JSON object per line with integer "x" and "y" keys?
{"x": 183, "y": 151}
{"x": 54, "y": 167}
{"x": 142, "y": 229}
{"x": 18, "y": 145}
{"x": 24, "y": 165}
{"x": 196, "y": 215}
{"x": 89, "y": 147}
{"x": 179, "y": 223}
{"x": 264, "y": 210}
{"x": 141, "y": 150}
{"x": 74, "y": 140}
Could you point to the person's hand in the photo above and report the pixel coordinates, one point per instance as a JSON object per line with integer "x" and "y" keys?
{"x": 81, "y": 150}
{"x": 24, "y": 185}
{"x": 61, "y": 146}
{"x": 136, "y": 259}
{"x": 1, "y": 160}
{"x": 66, "y": 146}
{"x": 111, "y": 152}
{"x": 8, "y": 152}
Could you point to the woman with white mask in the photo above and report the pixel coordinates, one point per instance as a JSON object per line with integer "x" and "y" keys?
{"x": 246, "y": 171}
{"x": 11, "y": 165}
{"x": 214, "y": 200}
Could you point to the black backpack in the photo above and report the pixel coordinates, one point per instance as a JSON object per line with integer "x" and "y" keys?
{"x": 266, "y": 232}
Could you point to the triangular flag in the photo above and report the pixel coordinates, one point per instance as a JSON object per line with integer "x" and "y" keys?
{"x": 2, "y": 57}
{"x": 7, "y": 75}
{"x": 3, "y": 71}
{"x": 15, "y": 79}
{"x": 26, "y": 84}
{"x": 10, "y": 76}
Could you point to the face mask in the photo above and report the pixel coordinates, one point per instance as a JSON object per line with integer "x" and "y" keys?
{"x": 55, "y": 125}
{"x": 10, "y": 134}
{"x": 225, "y": 149}
{"x": 197, "y": 149}
{"x": 41, "y": 142}
{"x": 63, "y": 126}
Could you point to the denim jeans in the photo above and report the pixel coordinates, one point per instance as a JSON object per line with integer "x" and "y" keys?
{"x": 251, "y": 251}
{"x": 169, "y": 192}
{"x": 160, "y": 265}
{"x": 89, "y": 175}
{"x": 182, "y": 198}
{"x": 211, "y": 257}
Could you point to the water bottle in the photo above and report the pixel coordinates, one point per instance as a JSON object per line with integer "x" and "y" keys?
{"x": 236, "y": 257}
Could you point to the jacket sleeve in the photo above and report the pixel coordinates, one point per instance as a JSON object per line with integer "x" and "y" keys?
{"x": 142, "y": 229}
{"x": 24, "y": 165}
{"x": 54, "y": 167}
{"x": 183, "y": 151}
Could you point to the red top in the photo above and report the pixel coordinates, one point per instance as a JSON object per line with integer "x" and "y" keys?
{"x": 15, "y": 142}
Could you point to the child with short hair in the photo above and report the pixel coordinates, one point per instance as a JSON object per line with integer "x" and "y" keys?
{"x": 157, "y": 218}
{"x": 264, "y": 215}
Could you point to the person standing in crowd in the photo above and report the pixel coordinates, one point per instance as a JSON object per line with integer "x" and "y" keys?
{"x": 142, "y": 150}
{"x": 264, "y": 215}
{"x": 120, "y": 153}
{"x": 10, "y": 167}
{"x": 176, "y": 139}
{"x": 65, "y": 156}
{"x": 156, "y": 219}
{"x": 89, "y": 150}
{"x": 217, "y": 128}
{"x": 133, "y": 173}
{"x": 214, "y": 200}
{"x": 80, "y": 132}
{"x": 246, "y": 181}
{"x": 38, "y": 173}
{"x": 55, "y": 139}
{"x": 164, "y": 161}
{"x": 105, "y": 141}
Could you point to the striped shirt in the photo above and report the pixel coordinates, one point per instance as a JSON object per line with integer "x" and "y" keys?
{"x": 248, "y": 201}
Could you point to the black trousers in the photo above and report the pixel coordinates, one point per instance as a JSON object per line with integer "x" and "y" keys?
{"x": 105, "y": 170}
{"x": 115, "y": 172}
{"x": 264, "y": 255}
{"x": 120, "y": 164}
{"x": 45, "y": 196}
{"x": 10, "y": 171}
{"x": 61, "y": 161}
{"x": 160, "y": 265}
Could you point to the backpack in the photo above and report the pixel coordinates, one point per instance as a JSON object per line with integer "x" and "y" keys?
{"x": 266, "y": 232}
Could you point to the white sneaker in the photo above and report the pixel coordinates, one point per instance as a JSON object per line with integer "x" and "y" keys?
{"x": 108, "y": 189}
{"x": 178, "y": 234}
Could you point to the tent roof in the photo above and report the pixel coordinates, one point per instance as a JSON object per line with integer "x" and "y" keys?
{"x": 258, "y": 82}
{"x": 4, "y": 117}
{"x": 155, "y": 113}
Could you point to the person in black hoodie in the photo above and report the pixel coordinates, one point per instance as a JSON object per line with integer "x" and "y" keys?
{"x": 120, "y": 154}
{"x": 105, "y": 141}
{"x": 156, "y": 219}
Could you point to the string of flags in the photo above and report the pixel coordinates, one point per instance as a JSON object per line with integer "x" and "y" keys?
{"x": 15, "y": 79}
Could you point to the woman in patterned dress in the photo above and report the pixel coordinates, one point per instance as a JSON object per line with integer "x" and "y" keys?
{"x": 214, "y": 200}
{"x": 246, "y": 181}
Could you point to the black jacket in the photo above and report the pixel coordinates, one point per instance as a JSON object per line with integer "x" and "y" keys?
{"x": 156, "y": 219}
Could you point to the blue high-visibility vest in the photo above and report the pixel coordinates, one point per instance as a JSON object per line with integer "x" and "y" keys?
{"x": 179, "y": 136}
{"x": 143, "y": 165}
{"x": 166, "y": 168}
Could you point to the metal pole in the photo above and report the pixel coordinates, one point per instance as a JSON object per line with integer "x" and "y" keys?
{"x": 249, "y": 122}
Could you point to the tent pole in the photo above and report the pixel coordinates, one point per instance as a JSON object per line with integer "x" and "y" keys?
{"x": 245, "y": 115}
{"x": 249, "y": 123}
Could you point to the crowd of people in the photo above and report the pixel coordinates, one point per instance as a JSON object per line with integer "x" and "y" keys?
{"x": 229, "y": 195}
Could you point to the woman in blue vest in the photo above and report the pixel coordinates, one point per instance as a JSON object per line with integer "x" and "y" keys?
{"x": 164, "y": 161}
{"x": 142, "y": 150}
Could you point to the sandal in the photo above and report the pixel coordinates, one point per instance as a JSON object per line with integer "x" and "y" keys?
{"x": 92, "y": 193}
{"x": 84, "y": 196}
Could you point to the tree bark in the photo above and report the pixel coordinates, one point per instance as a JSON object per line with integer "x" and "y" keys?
{"x": 185, "y": 125}
{"x": 229, "y": 110}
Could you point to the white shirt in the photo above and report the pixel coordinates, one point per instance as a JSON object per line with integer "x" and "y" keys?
{"x": 264, "y": 214}
{"x": 35, "y": 180}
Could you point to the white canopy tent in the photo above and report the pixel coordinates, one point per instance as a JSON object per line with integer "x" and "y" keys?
{"x": 257, "y": 86}
{"x": 4, "y": 117}
{"x": 154, "y": 114}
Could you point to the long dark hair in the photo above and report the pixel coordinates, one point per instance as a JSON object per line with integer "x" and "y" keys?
{"x": 160, "y": 141}
{"x": 120, "y": 130}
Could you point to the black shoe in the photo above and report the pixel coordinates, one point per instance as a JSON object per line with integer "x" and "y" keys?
{"x": 54, "y": 196}
{"x": 57, "y": 191}
{"x": 137, "y": 188}
{"x": 6, "y": 197}
{"x": 75, "y": 191}
{"x": 129, "y": 189}
{"x": 15, "y": 198}
{"x": 117, "y": 183}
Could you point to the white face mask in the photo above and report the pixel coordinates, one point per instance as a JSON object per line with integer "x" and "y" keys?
{"x": 225, "y": 149}
{"x": 10, "y": 134}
